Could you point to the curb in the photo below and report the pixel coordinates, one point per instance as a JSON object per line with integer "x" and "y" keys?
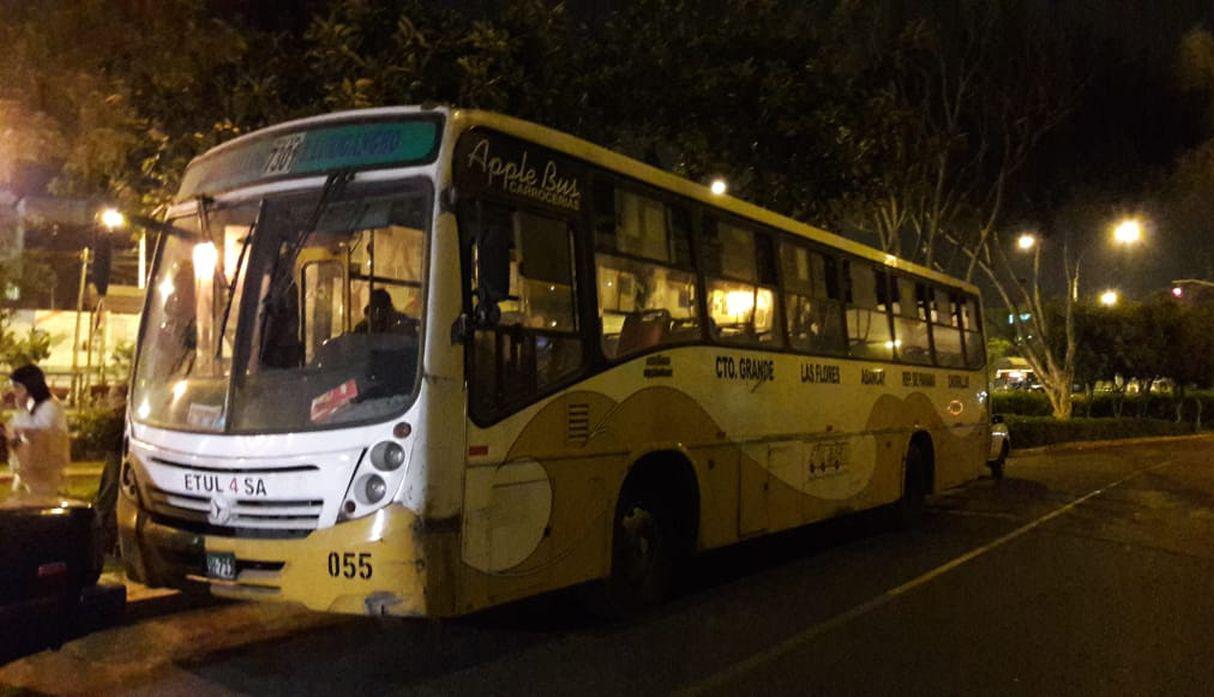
{"x": 136, "y": 592}
{"x": 1097, "y": 444}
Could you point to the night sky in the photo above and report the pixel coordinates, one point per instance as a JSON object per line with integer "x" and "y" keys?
{"x": 1113, "y": 156}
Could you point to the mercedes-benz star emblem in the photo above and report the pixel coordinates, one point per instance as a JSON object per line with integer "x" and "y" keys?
{"x": 221, "y": 511}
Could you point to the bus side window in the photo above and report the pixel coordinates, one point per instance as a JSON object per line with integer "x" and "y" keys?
{"x": 946, "y": 330}
{"x": 739, "y": 266}
{"x": 814, "y": 317}
{"x": 975, "y": 346}
{"x": 534, "y": 344}
{"x": 868, "y": 331}
{"x": 911, "y": 340}
{"x": 646, "y": 293}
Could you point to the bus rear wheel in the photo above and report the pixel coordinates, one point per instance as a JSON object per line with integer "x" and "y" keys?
{"x": 642, "y": 563}
{"x": 909, "y": 509}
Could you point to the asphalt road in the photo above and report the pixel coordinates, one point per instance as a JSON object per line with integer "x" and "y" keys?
{"x": 1084, "y": 572}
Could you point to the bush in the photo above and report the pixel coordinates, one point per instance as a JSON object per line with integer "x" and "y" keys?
{"x": 1020, "y": 402}
{"x": 1104, "y": 404}
{"x": 1034, "y": 431}
{"x": 96, "y": 433}
{"x": 1158, "y": 406}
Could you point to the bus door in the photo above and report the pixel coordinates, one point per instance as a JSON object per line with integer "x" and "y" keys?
{"x": 525, "y": 345}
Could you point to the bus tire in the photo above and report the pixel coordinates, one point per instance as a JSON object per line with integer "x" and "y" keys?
{"x": 909, "y": 509}
{"x": 997, "y": 464}
{"x": 642, "y": 560}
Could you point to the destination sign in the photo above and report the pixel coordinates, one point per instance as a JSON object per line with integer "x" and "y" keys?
{"x": 315, "y": 150}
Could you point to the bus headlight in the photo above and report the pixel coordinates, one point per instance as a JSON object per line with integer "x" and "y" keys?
{"x": 387, "y": 456}
{"x": 373, "y": 488}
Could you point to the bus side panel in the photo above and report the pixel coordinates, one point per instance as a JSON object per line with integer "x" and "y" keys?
{"x": 767, "y": 456}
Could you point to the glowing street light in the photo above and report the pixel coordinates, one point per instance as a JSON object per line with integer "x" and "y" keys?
{"x": 718, "y": 186}
{"x": 1128, "y": 231}
{"x": 1109, "y": 298}
{"x": 112, "y": 219}
{"x": 1177, "y": 292}
{"x": 1026, "y": 241}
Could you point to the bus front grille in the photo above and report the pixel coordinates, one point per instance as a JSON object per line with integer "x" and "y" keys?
{"x": 248, "y": 518}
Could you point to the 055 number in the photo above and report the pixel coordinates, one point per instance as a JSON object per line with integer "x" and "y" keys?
{"x": 350, "y": 564}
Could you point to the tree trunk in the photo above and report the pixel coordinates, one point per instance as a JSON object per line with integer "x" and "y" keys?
{"x": 1197, "y": 418}
{"x": 1060, "y": 401}
{"x": 1179, "y": 403}
{"x": 1089, "y": 391}
{"x": 1144, "y": 402}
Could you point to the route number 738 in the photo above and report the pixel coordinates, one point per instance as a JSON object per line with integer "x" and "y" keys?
{"x": 350, "y": 564}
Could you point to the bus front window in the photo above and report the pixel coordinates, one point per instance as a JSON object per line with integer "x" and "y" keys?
{"x": 185, "y": 358}
{"x": 323, "y": 327}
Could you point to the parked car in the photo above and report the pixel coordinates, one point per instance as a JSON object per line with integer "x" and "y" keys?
{"x": 50, "y": 561}
{"x": 1001, "y": 443}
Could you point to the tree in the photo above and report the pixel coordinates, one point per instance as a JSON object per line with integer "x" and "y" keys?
{"x": 21, "y": 276}
{"x": 1191, "y": 355}
{"x": 969, "y": 91}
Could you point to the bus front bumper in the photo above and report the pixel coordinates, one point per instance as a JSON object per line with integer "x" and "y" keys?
{"x": 374, "y": 565}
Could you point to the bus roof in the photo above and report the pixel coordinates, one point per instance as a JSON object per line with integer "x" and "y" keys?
{"x": 463, "y": 119}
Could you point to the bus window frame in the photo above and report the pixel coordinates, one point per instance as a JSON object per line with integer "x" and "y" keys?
{"x": 578, "y": 227}
{"x": 598, "y": 176}
{"x": 761, "y": 234}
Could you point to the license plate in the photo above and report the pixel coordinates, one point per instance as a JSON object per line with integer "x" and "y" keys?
{"x": 243, "y": 487}
{"x": 221, "y": 565}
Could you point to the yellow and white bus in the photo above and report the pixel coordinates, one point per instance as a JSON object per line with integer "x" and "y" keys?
{"x": 420, "y": 361}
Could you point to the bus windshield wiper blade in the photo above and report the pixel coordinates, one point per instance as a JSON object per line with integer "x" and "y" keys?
{"x": 283, "y": 275}
{"x": 334, "y": 185}
{"x": 244, "y": 248}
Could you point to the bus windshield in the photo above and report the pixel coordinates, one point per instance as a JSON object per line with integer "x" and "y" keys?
{"x": 290, "y": 313}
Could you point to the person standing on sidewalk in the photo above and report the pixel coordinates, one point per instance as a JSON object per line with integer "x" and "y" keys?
{"x": 37, "y": 434}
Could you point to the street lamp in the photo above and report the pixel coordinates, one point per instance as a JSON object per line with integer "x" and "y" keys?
{"x": 112, "y": 219}
{"x": 718, "y": 186}
{"x": 1026, "y": 241}
{"x": 1128, "y": 231}
{"x": 1109, "y": 298}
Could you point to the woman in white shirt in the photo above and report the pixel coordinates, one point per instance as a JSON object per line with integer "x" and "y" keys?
{"x": 37, "y": 434}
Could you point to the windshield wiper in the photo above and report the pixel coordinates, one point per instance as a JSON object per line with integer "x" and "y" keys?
{"x": 335, "y": 184}
{"x": 283, "y": 276}
{"x": 244, "y": 248}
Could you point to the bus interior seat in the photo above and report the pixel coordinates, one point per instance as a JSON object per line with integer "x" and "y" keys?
{"x": 642, "y": 330}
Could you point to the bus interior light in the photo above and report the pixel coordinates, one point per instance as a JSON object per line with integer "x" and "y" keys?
{"x": 387, "y": 456}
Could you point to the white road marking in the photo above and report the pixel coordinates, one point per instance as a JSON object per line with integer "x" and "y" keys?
{"x": 721, "y": 678}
